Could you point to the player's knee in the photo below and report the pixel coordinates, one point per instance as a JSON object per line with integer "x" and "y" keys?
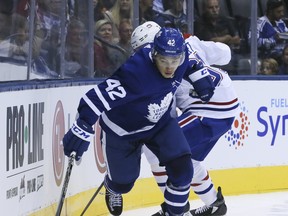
{"x": 199, "y": 171}
{"x": 180, "y": 171}
{"x": 118, "y": 188}
{"x": 200, "y": 175}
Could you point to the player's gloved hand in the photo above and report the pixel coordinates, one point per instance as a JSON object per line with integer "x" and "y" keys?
{"x": 77, "y": 138}
{"x": 203, "y": 84}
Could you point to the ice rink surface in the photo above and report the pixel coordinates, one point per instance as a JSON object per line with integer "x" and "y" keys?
{"x": 265, "y": 204}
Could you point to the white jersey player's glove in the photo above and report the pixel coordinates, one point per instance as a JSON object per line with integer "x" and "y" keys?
{"x": 203, "y": 84}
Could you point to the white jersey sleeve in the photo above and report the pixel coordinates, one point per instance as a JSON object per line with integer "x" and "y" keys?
{"x": 223, "y": 104}
{"x": 210, "y": 52}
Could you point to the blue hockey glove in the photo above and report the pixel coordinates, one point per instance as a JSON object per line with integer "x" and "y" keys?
{"x": 77, "y": 138}
{"x": 203, "y": 84}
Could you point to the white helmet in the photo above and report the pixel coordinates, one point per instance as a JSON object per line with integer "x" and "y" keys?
{"x": 144, "y": 34}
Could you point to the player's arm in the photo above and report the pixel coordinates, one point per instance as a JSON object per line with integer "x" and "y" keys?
{"x": 214, "y": 53}
{"x": 103, "y": 97}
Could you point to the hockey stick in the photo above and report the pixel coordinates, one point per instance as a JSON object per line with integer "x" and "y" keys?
{"x": 92, "y": 198}
{"x": 65, "y": 184}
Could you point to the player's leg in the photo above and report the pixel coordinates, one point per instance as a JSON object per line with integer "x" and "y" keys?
{"x": 201, "y": 137}
{"x": 202, "y": 185}
{"x": 172, "y": 149}
{"x": 159, "y": 172}
{"x": 203, "y": 133}
{"x": 123, "y": 167}
{"x": 160, "y": 175}
{"x": 208, "y": 133}
{"x": 198, "y": 136}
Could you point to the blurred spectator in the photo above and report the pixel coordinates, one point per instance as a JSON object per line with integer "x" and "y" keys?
{"x": 48, "y": 22}
{"x": 15, "y": 48}
{"x": 47, "y": 15}
{"x": 107, "y": 55}
{"x": 5, "y": 26}
{"x": 50, "y": 48}
{"x": 120, "y": 10}
{"x": 269, "y": 66}
{"x": 145, "y": 10}
{"x": 125, "y": 31}
{"x": 212, "y": 26}
{"x": 81, "y": 11}
{"x": 45, "y": 10}
{"x": 6, "y": 7}
{"x": 173, "y": 17}
{"x": 99, "y": 10}
{"x": 159, "y": 6}
{"x": 94, "y": 3}
{"x": 56, "y": 7}
{"x": 22, "y": 7}
{"x": 17, "y": 44}
{"x": 76, "y": 49}
{"x": 108, "y": 4}
{"x": 283, "y": 69}
{"x": 102, "y": 63}
{"x": 269, "y": 28}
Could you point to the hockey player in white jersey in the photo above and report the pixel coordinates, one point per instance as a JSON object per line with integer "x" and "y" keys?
{"x": 203, "y": 123}
{"x": 133, "y": 106}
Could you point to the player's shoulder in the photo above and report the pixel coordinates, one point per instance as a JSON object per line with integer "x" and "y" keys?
{"x": 141, "y": 57}
{"x": 137, "y": 67}
{"x": 191, "y": 39}
{"x": 141, "y": 60}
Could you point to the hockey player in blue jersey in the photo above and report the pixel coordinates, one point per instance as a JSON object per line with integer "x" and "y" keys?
{"x": 203, "y": 123}
{"x": 133, "y": 107}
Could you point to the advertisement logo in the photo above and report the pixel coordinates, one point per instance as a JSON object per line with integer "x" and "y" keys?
{"x": 22, "y": 188}
{"x": 240, "y": 128}
{"x": 272, "y": 120}
{"x": 98, "y": 149}
{"x": 24, "y": 135}
{"x": 58, "y": 131}
{"x": 24, "y": 149}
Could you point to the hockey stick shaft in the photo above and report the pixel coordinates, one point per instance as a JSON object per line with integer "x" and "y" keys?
{"x": 92, "y": 198}
{"x": 65, "y": 184}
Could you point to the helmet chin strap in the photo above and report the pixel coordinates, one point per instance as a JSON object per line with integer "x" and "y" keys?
{"x": 153, "y": 52}
{"x": 182, "y": 58}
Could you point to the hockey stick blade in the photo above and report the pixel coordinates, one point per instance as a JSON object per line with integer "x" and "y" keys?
{"x": 92, "y": 198}
{"x": 65, "y": 184}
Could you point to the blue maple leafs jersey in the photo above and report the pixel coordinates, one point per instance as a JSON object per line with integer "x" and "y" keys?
{"x": 136, "y": 99}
